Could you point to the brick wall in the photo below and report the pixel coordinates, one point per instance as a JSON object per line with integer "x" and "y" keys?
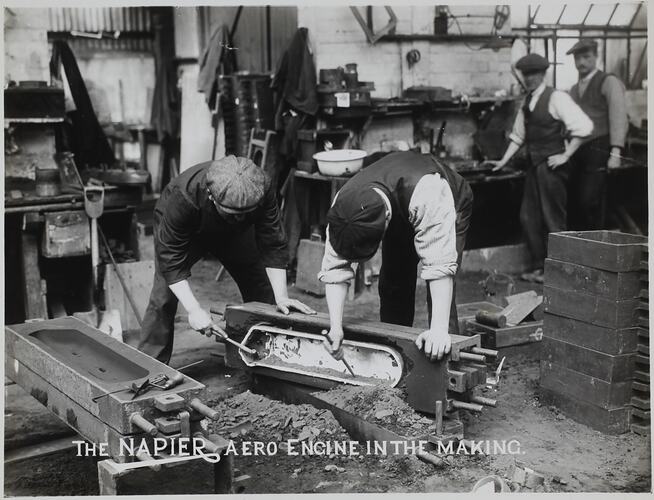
{"x": 338, "y": 39}
{"x": 26, "y": 44}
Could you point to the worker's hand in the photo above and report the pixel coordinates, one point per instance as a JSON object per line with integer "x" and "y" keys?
{"x": 199, "y": 319}
{"x": 285, "y": 305}
{"x": 556, "y": 161}
{"x": 333, "y": 342}
{"x": 497, "y": 164}
{"x": 435, "y": 343}
{"x": 614, "y": 159}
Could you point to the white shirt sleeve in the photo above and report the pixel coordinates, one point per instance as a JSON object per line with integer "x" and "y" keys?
{"x": 334, "y": 268}
{"x": 433, "y": 215}
{"x": 563, "y": 108}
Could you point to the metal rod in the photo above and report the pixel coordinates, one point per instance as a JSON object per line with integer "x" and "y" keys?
{"x": 484, "y": 352}
{"x": 347, "y": 365}
{"x": 189, "y": 365}
{"x": 583, "y": 22}
{"x": 484, "y": 401}
{"x": 200, "y": 407}
{"x": 144, "y": 456}
{"x": 472, "y": 357}
{"x": 633, "y": 19}
{"x": 438, "y": 414}
{"x": 137, "y": 420}
{"x": 462, "y": 405}
{"x": 608, "y": 23}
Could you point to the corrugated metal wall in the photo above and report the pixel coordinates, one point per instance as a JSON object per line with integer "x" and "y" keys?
{"x": 134, "y": 23}
{"x": 97, "y": 19}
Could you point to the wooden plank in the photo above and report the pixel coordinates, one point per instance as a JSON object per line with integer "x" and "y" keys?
{"x": 82, "y": 387}
{"x": 192, "y": 476}
{"x": 590, "y": 308}
{"x": 32, "y": 292}
{"x": 89, "y": 426}
{"x": 606, "y": 284}
{"x": 593, "y": 363}
{"x": 606, "y": 250}
{"x": 562, "y": 380}
{"x": 608, "y": 340}
{"x": 39, "y": 450}
{"x": 642, "y": 403}
{"x": 495, "y": 338}
{"x": 519, "y": 308}
{"x": 613, "y": 421}
{"x": 138, "y": 277}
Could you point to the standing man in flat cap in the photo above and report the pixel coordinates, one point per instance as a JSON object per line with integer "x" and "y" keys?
{"x": 602, "y": 97}
{"x": 419, "y": 210}
{"x": 546, "y": 117}
{"x": 224, "y": 207}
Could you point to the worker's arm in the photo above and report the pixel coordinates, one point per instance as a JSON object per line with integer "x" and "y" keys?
{"x": 436, "y": 341}
{"x": 175, "y": 223}
{"x": 335, "y": 294}
{"x": 577, "y": 123}
{"x": 277, "y": 278}
{"x": 336, "y": 272}
{"x": 614, "y": 92}
{"x": 432, "y": 212}
{"x": 198, "y": 318}
{"x": 517, "y": 139}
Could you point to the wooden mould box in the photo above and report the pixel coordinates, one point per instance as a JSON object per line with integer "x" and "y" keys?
{"x": 69, "y": 357}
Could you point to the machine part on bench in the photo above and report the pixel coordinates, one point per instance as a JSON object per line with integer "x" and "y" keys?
{"x": 304, "y": 353}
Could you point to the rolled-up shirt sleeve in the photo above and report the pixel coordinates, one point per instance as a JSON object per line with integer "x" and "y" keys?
{"x": 518, "y": 132}
{"x": 334, "y": 268}
{"x": 176, "y": 221}
{"x": 432, "y": 213}
{"x": 270, "y": 234}
{"x": 562, "y": 107}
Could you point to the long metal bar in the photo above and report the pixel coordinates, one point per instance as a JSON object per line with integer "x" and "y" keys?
{"x": 558, "y": 21}
{"x": 608, "y": 23}
{"x": 633, "y": 19}
{"x": 583, "y": 22}
{"x": 584, "y": 27}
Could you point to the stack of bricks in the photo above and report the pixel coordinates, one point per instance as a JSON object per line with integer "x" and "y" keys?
{"x": 592, "y": 351}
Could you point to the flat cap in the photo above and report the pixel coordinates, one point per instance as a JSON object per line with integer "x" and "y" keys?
{"x": 583, "y": 45}
{"x": 236, "y": 184}
{"x": 532, "y": 62}
{"x": 357, "y": 222}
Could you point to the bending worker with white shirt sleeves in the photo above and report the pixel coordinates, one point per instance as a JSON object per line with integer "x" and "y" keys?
{"x": 419, "y": 210}
{"x": 544, "y": 120}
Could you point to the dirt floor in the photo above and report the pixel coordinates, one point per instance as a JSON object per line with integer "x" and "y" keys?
{"x": 570, "y": 456}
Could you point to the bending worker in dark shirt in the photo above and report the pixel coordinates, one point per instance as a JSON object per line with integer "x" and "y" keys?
{"x": 228, "y": 208}
{"x": 419, "y": 210}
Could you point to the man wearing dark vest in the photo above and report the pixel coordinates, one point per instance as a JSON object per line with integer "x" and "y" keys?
{"x": 419, "y": 210}
{"x": 224, "y": 207}
{"x": 602, "y": 97}
{"x": 546, "y": 117}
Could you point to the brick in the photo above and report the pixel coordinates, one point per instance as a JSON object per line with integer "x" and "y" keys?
{"x": 610, "y": 285}
{"x": 607, "y": 250}
{"x": 614, "y": 421}
{"x": 607, "y": 340}
{"x": 590, "y": 308}
{"x": 593, "y": 363}
{"x": 583, "y": 387}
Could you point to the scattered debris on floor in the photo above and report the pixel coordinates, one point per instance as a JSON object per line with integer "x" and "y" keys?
{"x": 252, "y": 416}
{"x": 381, "y": 405}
